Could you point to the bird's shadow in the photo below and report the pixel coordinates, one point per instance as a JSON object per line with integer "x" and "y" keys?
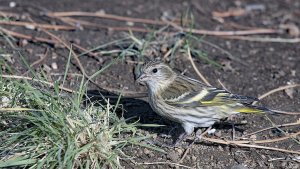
{"x": 133, "y": 110}
{"x": 139, "y": 110}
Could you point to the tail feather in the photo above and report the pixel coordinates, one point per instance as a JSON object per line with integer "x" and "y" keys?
{"x": 249, "y": 108}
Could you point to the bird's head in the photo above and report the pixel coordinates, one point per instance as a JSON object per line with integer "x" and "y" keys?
{"x": 156, "y": 74}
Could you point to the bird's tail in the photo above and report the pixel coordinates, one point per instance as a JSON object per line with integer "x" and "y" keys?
{"x": 249, "y": 108}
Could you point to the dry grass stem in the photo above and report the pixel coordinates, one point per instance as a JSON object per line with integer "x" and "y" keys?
{"x": 195, "y": 67}
{"x": 36, "y": 25}
{"x": 36, "y": 80}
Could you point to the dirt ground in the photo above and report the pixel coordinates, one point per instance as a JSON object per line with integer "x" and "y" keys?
{"x": 266, "y": 66}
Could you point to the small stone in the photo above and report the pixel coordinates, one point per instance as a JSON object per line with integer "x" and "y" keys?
{"x": 23, "y": 42}
{"x": 130, "y": 23}
{"x": 30, "y": 51}
{"x": 293, "y": 72}
{"x": 54, "y": 55}
{"x": 211, "y": 132}
{"x": 4, "y": 102}
{"x": 244, "y": 122}
{"x": 54, "y": 65}
{"x": 12, "y": 4}
{"x": 29, "y": 26}
{"x": 290, "y": 91}
{"x": 220, "y": 148}
{"x": 179, "y": 150}
{"x": 239, "y": 166}
{"x": 253, "y": 137}
{"x": 291, "y": 29}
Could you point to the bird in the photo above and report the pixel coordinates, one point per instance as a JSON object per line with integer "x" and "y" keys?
{"x": 188, "y": 101}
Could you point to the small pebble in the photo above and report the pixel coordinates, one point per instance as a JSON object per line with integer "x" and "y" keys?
{"x": 293, "y": 72}
{"x": 253, "y": 137}
{"x": 4, "y": 102}
{"x": 130, "y": 23}
{"x": 54, "y": 56}
{"x": 239, "y": 166}
{"x": 54, "y": 65}
{"x": 12, "y": 4}
{"x": 244, "y": 122}
{"x": 179, "y": 150}
{"x": 29, "y": 26}
{"x": 23, "y": 42}
{"x": 211, "y": 132}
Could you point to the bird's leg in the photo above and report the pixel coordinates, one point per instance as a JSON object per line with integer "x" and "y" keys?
{"x": 188, "y": 129}
{"x": 199, "y": 134}
{"x": 181, "y": 137}
{"x": 233, "y": 131}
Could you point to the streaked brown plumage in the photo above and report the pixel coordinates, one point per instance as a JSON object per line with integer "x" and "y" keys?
{"x": 188, "y": 101}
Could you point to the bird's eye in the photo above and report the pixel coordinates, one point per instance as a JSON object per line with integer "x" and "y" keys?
{"x": 154, "y": 70}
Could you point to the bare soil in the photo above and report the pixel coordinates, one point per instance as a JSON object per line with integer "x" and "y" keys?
{"x": 266, "y": 66}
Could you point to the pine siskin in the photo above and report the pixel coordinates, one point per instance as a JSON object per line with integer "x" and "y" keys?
{"x": 190, "y": 102}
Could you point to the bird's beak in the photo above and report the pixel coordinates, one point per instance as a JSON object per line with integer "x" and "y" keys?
{"x": 141, "y": 79}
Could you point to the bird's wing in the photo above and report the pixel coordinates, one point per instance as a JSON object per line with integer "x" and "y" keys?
{"x": 198, "y": 95}
{"x": 209, "y": 97}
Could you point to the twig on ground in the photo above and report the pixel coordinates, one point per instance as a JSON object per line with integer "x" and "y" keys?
{"x": 268, "y": 128}
{"x": 254, "y": 141}
{"x": 264, "y": 39}
{"x": 255, "y": 31}
{"x": 149, "y": 21}
{"x": 164, "y": 163}
{"x": 277, "y": 90}
{"x": 28, "y": 37}
{"x": 77, "y": 22}
{"x": 86, "y": 51}
{"x": 38, "y": 61}
{"x": 36, "y": 25}
{"x": 107, "y": 16}
{"x": 9, "y": 14}
{"x": 227, "y": 142}
{"x": 195, "y": 67}
{"x": 229, "y": 13}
